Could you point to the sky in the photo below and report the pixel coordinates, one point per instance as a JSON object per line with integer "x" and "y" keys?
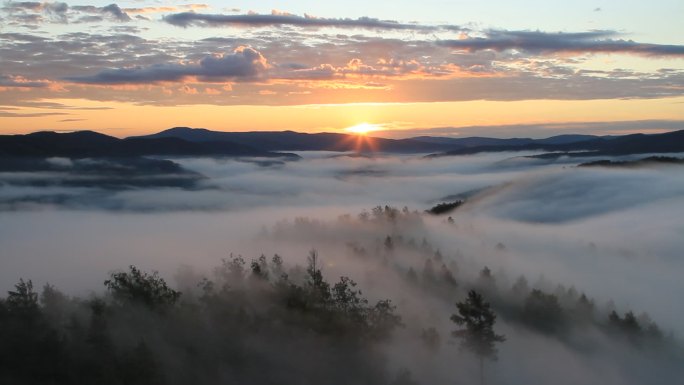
{"x": 453, "y": 68}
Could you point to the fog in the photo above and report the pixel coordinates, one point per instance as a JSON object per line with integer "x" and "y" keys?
{"x": 614, "y": 234}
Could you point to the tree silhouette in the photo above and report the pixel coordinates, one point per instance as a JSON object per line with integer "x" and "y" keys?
{"x": 24, "y": 299}
{"x": 478, "y": 334}
{"x": 136, "y": 286}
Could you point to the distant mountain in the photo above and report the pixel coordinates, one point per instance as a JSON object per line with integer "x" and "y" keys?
{"x": 590, "y": 145}
{"x": 569, "y": 138}
{"x": 642, "y": 143}
{"x": 474, "y": 141}
{"x": 184, "y": 141}
{"x": 593, "y": 146}
{"x": 83, "y": 144}
{"x": 296, "y": 141}
{"x": 644, "y": 162}
{"x": 478, "y": 141}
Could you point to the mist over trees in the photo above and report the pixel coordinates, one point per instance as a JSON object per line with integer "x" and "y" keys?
{"x": 477, "y": 333}
{"x": 267, "y": 320}
{"x": 248, "y": 324}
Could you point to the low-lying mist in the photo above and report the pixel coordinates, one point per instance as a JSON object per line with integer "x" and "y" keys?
{"x": 526, "y": 224}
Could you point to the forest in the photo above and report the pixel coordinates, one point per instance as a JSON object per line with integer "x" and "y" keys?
{"x": 267, "y": 321}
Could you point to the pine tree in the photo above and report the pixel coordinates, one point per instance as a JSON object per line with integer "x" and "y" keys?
{"x": 478, "y": 334}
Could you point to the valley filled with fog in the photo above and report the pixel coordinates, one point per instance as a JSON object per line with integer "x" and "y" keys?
{"x": 613, "y": 234}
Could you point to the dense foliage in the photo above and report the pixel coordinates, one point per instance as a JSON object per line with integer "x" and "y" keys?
{"x": 246, "y": 320}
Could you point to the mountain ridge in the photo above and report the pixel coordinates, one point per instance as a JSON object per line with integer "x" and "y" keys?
{"x": 185, "y": 141}
{"x": 298, "y": 141}
{"x": 82, "y": 144}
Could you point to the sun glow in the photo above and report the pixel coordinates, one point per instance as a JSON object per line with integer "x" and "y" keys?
{"x": 363, "y": 128}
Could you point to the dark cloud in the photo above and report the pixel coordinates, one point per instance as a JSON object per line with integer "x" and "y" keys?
{"x": 111, "y": 11}
{"x": 90, "y": 19}
{"x": 86, "y": 8}
{"x": 13, "y": 6}
{"x": 243, "y": 64}
{"x": 11, "y": 36}
{"x": 114, "y": 11}
{"x": 545, "y": 42}
{"x": 58, "y": 12}
{"x": 55, "y": 11}
{"x": 186, "y": 19}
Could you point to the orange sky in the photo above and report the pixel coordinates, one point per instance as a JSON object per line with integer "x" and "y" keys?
{"x": 125, "y": 119}
{"x": 144, "y": 68}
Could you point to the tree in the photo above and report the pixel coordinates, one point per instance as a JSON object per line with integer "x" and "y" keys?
{"x": 478, "y": 334}
{"x": 260, "y": 268}
{"x": 447, "y": 276}
{"x": 319, "y": 289}
{"x": 629, "y": 325}
{"x": 543, "y": 312}
{"x": 24, "y": 299}
{"x": 520, "y": 288}
{"x": 584, "y": 309}
{"x": 136, "y": 286}
{"x": 428, "y": 273}
{"x": 389, "y": 244}
{"x": 486, "y": 284}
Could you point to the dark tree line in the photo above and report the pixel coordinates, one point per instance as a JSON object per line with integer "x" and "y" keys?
{"x": 248, "y": 324}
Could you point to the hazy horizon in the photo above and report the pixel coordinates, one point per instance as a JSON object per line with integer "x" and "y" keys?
{"x": 532, "y": 131}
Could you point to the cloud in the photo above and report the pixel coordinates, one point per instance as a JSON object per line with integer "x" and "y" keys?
{"x": 277, "y": 18}
{"x": 114, "y": 11}
{"x": 303, "y": 71}
{"x": 22, "y": 5}
{"x": 56, "y": 106}
{"x": 164, "y": 8}
{"x": 244, "y": 63}
{"x": 7, "y": 114}
{"x": 546, "y": 42}
{"x": 21, "y": 82}
{"x": 357, "y": 68}
{"x": 55, "y": 11}
{"x": 58, "y": 12}
{"x": 111, "y": 11}
{"x": 22, "y": 37}
{"x": 55, "y": 7}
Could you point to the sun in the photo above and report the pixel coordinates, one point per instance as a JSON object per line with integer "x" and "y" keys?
{"x": 363, "y": 128}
